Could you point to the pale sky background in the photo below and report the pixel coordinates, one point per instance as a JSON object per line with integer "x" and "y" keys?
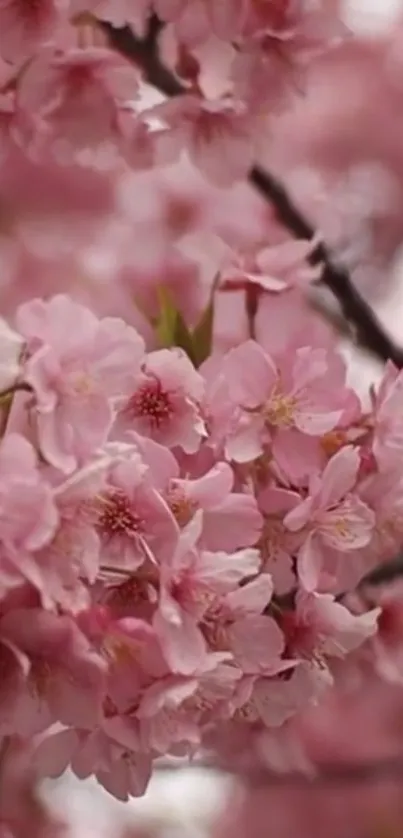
{"x": 185, "y": 800}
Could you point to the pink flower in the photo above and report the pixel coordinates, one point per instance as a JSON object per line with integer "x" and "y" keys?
{"x": 175, "y": 709}
{"x": 275, "y": 402}
{"x": 388, "y": 422}
{"x": 132, "y": 520}
{"x": 231, "y": 520}
{"x": 77, "y": 365}
{"x": 135, "y": 660}
{"x": 165, "y": 400}
{"x": 196, "y": 21}
{"x": 27, "y": 25}
{"x": 65, "y": 680}
{"x": 332, "y": 516}
{"x": 257, "y": 644}
{"x": 298, "y": 24}
{"x": 77, "y": 99}
{"x": 117, "y": 12}
{"x": 70, "y": 561}
{"x": 289, "y": 313}
{"x": 383, "y": 492}
{"x": 28, "y": 514}
{"x": 275, "y": 268}
{"x": 320, "y": 628}
{"x": 274, "y": 701}
{"x": 280, "y": 39}
{"x": 235, "y": 623}
{"x": 277, "y": 544}
{"x": 189, "y": 584}
{"x": 217, "y": 136}
{"x": 120, "y": 767}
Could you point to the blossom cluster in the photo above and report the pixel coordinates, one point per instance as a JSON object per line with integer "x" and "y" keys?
{"x": 65, "y": 94}
{"x": 190, "y": 490}
{"x": 176, "y": 537}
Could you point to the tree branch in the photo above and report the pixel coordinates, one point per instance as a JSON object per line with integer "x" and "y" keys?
{"x": 367, "y": 329}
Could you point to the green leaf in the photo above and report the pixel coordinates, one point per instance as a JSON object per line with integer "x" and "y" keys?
{"x": 165, "y": 324}
{"x": 184, "y": 338}
{"x": 170, "y": 326}
{"x": 203, "y": 332}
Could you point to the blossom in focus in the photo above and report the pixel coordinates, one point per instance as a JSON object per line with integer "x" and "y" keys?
{"x": 276, "y": 402}
{"x": 132, "y": 520}
{"x": 230, "y": 519}
{"x": 332, "y": 516}
{"x": 388, "y": 431}
{"x": 165, "y": 401}
{"x": 190, "y": 582}
{"x": 76, "y": 366}
{"x": 28, "y": 514}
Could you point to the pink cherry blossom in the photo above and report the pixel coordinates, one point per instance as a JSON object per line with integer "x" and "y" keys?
{"x": 257, "y": 645}
{"x": 165, "y": 401}
{"x": 332, "y": 516}
{"x": 320, "y": 627}
{"x": 28, "y": 514}
{"x": 235, "y": 622}
{"x": 119, "y": 769}
{"x": 274, "y": 701}
{"x": 117, "y": 12}
{"x": 382, "y": 492}
{"x": 388, "y": 429}
{"x": 277, "y": 544}
{"x": 27, "y": 26}
{"x": 175, "y": 709}
{"x": 65, "y": 566}
{"x": 190, "y": 582}
{"x": 191, "y": 494}
{"x": 216, "y": 135}
{"x": 231, "y": 519}
{"x": 77, "y": 365}
{"x": 78, "y": 99}
{"x": 132, "y": 519}
{"x": 194, "y": 22}
{"x": 65, "y": 677}
{"x": 274, "y": 268}
{"x": 386, "y": 645}
{"x": 276, "y": 402}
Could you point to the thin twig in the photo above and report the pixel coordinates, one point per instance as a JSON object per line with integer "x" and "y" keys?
{"x": 368, "y": 330}
{"x": 144, "y": 53}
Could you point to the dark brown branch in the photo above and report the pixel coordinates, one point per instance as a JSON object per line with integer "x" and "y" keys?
{"x": 367, "y": 329}
{"x": 144, "y": 53}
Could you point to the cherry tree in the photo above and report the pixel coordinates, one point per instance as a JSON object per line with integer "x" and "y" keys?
{"x": 196, "y": 508}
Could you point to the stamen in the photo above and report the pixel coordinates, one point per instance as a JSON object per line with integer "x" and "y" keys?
{"x": 117, "y": 516}
{"x": 150, "y": 402}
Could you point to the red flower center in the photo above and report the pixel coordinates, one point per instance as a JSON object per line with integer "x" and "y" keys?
{"x": 150, "y": 402}
{"x": 117, "y": 516}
